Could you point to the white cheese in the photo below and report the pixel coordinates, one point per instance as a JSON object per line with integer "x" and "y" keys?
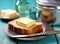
{"x": 25, "y": 22}
{"x": 8, "y": 13}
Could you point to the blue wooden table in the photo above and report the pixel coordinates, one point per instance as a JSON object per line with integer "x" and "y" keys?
{"x": 4, "y": 39}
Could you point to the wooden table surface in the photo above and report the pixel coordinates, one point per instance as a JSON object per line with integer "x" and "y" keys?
{"x": 4, "y": 39}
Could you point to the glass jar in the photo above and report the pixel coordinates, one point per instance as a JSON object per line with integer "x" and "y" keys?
{"x": 48, "y": 14}
{"x": 52, "y": 5}
{"x": 22, "y": 7}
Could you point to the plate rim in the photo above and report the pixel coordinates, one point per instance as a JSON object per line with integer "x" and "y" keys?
{"x": 31, "y": 38}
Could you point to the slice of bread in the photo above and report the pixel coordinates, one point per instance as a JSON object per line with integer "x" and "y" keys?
{"x": 37, "y": 27}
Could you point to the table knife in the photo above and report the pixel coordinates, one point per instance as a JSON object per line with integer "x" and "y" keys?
{"x": 38, "y": 34}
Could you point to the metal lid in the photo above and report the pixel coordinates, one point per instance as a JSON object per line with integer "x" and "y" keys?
{"x": 48, "y": 2}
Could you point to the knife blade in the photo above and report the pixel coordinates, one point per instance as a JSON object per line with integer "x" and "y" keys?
{"x": 38, "y": 34}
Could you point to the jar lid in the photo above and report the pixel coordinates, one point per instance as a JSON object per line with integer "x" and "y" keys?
{"x": 48, "y": 2}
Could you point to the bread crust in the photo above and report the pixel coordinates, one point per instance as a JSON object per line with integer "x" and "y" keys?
{"x": 38, "y": 27}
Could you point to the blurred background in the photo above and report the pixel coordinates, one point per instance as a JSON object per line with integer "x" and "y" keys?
{"x": 9, "y": 4}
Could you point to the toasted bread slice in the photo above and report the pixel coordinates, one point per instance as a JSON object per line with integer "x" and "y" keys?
{"x": 37, "y": 27}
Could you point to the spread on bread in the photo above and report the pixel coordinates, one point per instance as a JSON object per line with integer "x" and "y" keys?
{"x": 25, "y": 26}
{"x": 25, "y": 22}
